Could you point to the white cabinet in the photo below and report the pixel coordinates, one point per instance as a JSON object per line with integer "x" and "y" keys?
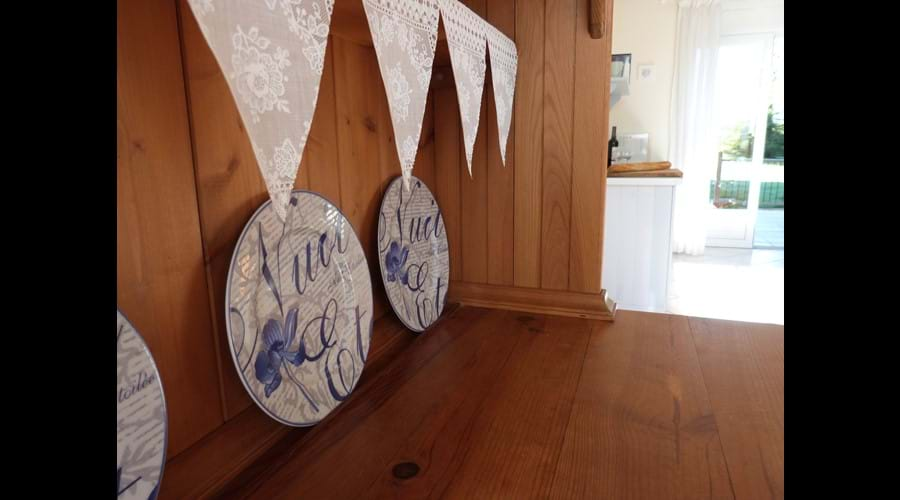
{"x": 637, "y": 241}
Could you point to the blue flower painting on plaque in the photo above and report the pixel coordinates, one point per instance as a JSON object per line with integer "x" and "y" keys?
{"x": 413, "y": 253}
{"x": 299, "y": 305}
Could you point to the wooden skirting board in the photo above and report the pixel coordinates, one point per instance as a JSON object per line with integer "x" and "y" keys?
{"x": 534, "y": 300}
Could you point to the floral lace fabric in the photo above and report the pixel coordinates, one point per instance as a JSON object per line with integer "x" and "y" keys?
{"x": 504, "y": 61}
{"x": 404, "y": 33}
{"x": 272, "y": 53}
{"x": 466, "y": 40}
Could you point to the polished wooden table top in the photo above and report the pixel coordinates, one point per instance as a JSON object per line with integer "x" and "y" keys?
{"x": 500, "y": 404}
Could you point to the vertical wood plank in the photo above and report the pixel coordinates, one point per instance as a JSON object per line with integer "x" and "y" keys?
{"x": 589, "y": 155}
{"x": 447, "y": 138}
{"x": 359, "y": 150}
{"x": 160, "y": 281}
{"x": 559, "y": 87}
{"x": 388, "y": 161}
{"x": 474, "y": 192}
{"x": 320, "y": 158}
{"x": 388, "y": 167}
{"x": 229, "y": 185}
{"x": 425, "y": 165}
{"x": 501, "y": 179}
{"x": 529, "y": 143}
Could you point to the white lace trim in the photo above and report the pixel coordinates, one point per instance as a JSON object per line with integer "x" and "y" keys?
{"x": 466, "y": 40}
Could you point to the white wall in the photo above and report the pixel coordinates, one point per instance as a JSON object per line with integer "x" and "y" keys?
{"x": 646, "y": 30}
{"x": 741, "y": 17}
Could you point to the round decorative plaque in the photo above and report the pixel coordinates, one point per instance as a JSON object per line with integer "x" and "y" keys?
{"x": 299, "y": 308}
{"x": 141, "y": 426}
{"x": 413, "y": 253}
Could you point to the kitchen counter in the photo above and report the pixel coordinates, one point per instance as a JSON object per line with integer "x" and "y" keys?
{"x": 637, "y": 241}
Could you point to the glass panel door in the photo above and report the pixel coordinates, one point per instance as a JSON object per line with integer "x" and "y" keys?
{"x": 743, "y": 85}
{"x": 769, "y": 229}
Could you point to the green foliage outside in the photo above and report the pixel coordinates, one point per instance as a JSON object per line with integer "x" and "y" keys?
{"x": 738, "y": 142}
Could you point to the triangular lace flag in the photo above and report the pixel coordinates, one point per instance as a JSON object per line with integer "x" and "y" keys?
{"x": 404, "y": 33}
{"x": 466, "y": 40}
{"x": 272, "y": 53}
{"x": 504, "y": 60}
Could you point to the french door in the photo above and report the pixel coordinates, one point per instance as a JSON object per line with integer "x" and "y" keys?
{"x": 750, "y": 109}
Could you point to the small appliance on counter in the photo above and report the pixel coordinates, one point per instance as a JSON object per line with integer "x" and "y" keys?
{"x": 628, "y": 148}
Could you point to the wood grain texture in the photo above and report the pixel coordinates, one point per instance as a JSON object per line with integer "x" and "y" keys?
{"x": 447, "y": 140}
{"x": 528, "y": 115}
{"x": 501, "y": 210}
{"x": 671, "y": 172}
{"x": 474, "y": 193}
{"x": 425, "y": 160}
{"x": 160, "y": 279}
{"x": 641, "y": 425}
{"x": 388, "y": 161}
{"x": 743, "y": 365}
{"x": 534, "y": 300}
{"x": 229, "y": 185}
{"x": 440, "y": 361}
{"x": 639, "y": 167}
{"x": 498, "y": 404}
{"x": 320, "y": 158}
{"x": 599, "y": 22}
{"x": 559, "y": 87}
{"x": 359, "y": 149}
{"x": 236, "y": 449}
{"x": 439, "y": 445}
{"x": 591, "y": 119}
{"x": 515, "y": 443}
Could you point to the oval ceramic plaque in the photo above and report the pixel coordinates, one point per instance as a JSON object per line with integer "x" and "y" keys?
{"x": 413, "y": 253}
{"x": 140, "y": 416}
{"x": 299, "y": 306}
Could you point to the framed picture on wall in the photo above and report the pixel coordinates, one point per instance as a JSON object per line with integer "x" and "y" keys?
{"x": 621, "y": 67}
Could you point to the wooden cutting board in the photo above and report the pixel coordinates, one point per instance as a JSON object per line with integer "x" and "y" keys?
{"x": 671, "y": 172}
{"x": 639, "y": 167}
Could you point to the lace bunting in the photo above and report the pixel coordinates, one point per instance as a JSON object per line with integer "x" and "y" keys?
{"x": 504, "y": 61}
{"x": 272, "y": 53}
{"x": 466, "y": 40}
{"x": 404, "y": 33}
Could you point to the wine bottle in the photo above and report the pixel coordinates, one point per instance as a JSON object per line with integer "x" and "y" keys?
{"x": 613, "y": 143}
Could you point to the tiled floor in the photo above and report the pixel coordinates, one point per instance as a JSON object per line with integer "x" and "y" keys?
{"x": 769, "y": 231}
{"x": 729, "y": 283}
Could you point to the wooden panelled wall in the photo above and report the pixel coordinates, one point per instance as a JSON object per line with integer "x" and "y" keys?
{"x": 187, "y": 182}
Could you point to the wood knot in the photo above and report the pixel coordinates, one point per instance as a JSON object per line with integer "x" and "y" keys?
{"x": 406, "y": 470}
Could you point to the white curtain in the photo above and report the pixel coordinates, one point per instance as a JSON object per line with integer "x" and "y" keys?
{"x": 694, "y": 135}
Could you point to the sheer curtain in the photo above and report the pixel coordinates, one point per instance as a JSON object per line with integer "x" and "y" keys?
{"x": 694, "y": 137}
